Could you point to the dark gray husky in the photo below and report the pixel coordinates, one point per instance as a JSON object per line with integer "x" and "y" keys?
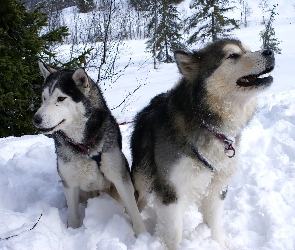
{"x": 87, "y": 140}
{"x": 185, "y": 144}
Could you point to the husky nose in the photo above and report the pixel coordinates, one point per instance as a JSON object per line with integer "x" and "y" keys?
{"x": 37, "y": 119}
{"x": 267, "y": 52}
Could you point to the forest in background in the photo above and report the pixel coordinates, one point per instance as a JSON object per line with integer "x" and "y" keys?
{"x": 95, "y": 32}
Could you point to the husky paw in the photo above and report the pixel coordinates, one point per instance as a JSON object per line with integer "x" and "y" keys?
{"x": 228, "y": 244}
{"x": 139, "y": 228}
{"x": 225, "y": 243}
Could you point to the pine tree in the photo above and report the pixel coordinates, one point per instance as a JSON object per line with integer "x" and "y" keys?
{"x": 164, "y": 31}
{"x": 20, "y": 49}
{"x": 209, "y": 22}
{"x": 269, "y": 40}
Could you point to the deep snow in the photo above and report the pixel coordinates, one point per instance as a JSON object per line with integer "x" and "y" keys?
{"x": 260, "y": 206}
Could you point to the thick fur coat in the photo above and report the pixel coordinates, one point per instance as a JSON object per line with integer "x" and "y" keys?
{"x": 87, "y": 141}
{"x": 185, "y": 144}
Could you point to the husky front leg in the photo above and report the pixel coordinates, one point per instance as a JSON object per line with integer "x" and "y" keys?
{"x": 113, "y": 165}
{"x": 212, "y": 210}
{"x": 126, "y": 192}
{"x": 169, "y": 223}
{"x": 72, "y": 197}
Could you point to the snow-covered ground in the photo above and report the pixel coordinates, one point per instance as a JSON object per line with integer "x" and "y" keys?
{"x": 260, "y": 206}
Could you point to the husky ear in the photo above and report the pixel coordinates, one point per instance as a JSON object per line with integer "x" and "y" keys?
{"x": 81, "y": 79}
{"x": 45, "y": 70}
{"x": 186, "y": 64}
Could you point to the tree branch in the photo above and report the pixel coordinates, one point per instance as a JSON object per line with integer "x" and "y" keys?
{"x": 7, "y": 238}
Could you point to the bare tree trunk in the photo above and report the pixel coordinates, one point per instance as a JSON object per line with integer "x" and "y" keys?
{"x": 213, "y": 28}
{"x": 105, "y": 41}
{"x": 155, "y": 34}
{"x": 166, "y": 44}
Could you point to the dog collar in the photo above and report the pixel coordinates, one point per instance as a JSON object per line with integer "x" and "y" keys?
{"x": 228, "y": 143}
{"x": 85, "y": 148}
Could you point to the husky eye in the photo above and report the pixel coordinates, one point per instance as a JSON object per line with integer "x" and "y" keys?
{"x": 233, "y": 56}
{"x": 61, "y": 98}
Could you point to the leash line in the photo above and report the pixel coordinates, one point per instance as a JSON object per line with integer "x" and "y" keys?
{"x": 125, "y": 123}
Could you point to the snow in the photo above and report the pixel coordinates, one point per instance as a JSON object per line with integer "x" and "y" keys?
{"x": 260, "y": 206}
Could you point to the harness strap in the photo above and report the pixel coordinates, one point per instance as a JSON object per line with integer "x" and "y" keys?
{"x": 84, "y": 148}
{"x": 206, "y": 163}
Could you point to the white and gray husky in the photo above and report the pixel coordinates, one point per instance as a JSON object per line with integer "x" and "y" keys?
{"x": 185, "y": 144}
{"x": 87, "y": 140}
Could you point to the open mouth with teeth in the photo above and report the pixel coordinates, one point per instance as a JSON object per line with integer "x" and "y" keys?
{"x": 47, "y": 130}
{"x": 260, "y": 79}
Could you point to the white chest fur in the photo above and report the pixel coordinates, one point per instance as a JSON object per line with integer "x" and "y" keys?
{"x": 83, "y": 172}
{"x": 192, "y": 178}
